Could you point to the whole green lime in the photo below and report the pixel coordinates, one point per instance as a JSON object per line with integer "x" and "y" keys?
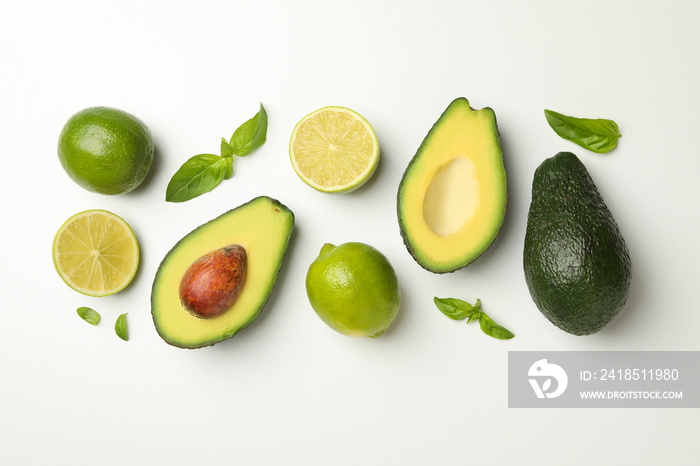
{"x": 106, "y": 150}
{"x": 353, "y": 288}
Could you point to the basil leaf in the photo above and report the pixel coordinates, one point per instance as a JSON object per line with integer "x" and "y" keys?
{"x": 597, "y": 135}
{"x": 251, "y": 134}
{"x": 474, "y": 316}
{"x": 476, "y": 313}
{"x": 121, "y": 329}
{"x": 228, "y": 166}
{"x": 491, "y": 328}
{"x": 199, "y": 175}
{"x": 226, "y": 149}
{"x": 90, "y": 316}
{"x": 203, "y": 172}
{"x": 455, "y": 309}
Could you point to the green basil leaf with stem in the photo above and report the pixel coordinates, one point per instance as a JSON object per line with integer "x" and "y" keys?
{"x": 251, "y": 134}
{"x": 90, "y": 316}
{"x": 476, "y": 313}
{"x": 199, "y": 175}
{"x": 455, "y": 309}
{"x": 491, "y": 328}
{"x": 597, "y": 135}
{"x": 121, "y": 329}
{"x": 202, "y": 173}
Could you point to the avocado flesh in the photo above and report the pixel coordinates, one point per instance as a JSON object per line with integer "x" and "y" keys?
{"x": 263, "y": 227}
{"x": 577, "y": 265}
{"x": 452, "y": 197}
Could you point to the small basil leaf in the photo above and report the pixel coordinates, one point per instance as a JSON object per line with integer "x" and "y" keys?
{"x": 200, "y": 174}
{"x": 228, "y": 166}
{"x": 251, "y": 134}
{"x": 597, "y": 135}
{"x": 455, "y": 309}
{"x": 121, "y": 329}
{"x": 475, "y": 315}
{"x": 226, "y": 149}
{"x": 90, "y": 316}
{"x": 491, "y": 328}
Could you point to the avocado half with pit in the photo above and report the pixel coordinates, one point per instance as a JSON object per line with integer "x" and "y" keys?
{"x": 452, "y": 197}
{"x": 216, "y": 280}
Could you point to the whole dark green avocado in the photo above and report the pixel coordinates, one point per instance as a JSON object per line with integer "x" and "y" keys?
{"x": 577, "y": 265}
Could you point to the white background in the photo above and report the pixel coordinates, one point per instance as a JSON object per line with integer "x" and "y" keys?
{"x": 289, "y": 390}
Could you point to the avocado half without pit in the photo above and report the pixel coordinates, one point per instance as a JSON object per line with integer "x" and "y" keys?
{"x": 217, "y": 279}
{"x": 452, "y": 197}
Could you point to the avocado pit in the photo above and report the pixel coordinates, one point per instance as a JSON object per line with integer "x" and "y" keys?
{"x": 212, "y": 284}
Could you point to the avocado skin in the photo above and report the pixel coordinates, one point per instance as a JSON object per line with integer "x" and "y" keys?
{"x": 577, "y": 265}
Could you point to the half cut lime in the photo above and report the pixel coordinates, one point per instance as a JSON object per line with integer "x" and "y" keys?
{"x": 334, "y": 150}
{"x": 96, "y": 253}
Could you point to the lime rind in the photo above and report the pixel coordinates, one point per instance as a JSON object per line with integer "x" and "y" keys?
{"x": 128, "y": 276}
